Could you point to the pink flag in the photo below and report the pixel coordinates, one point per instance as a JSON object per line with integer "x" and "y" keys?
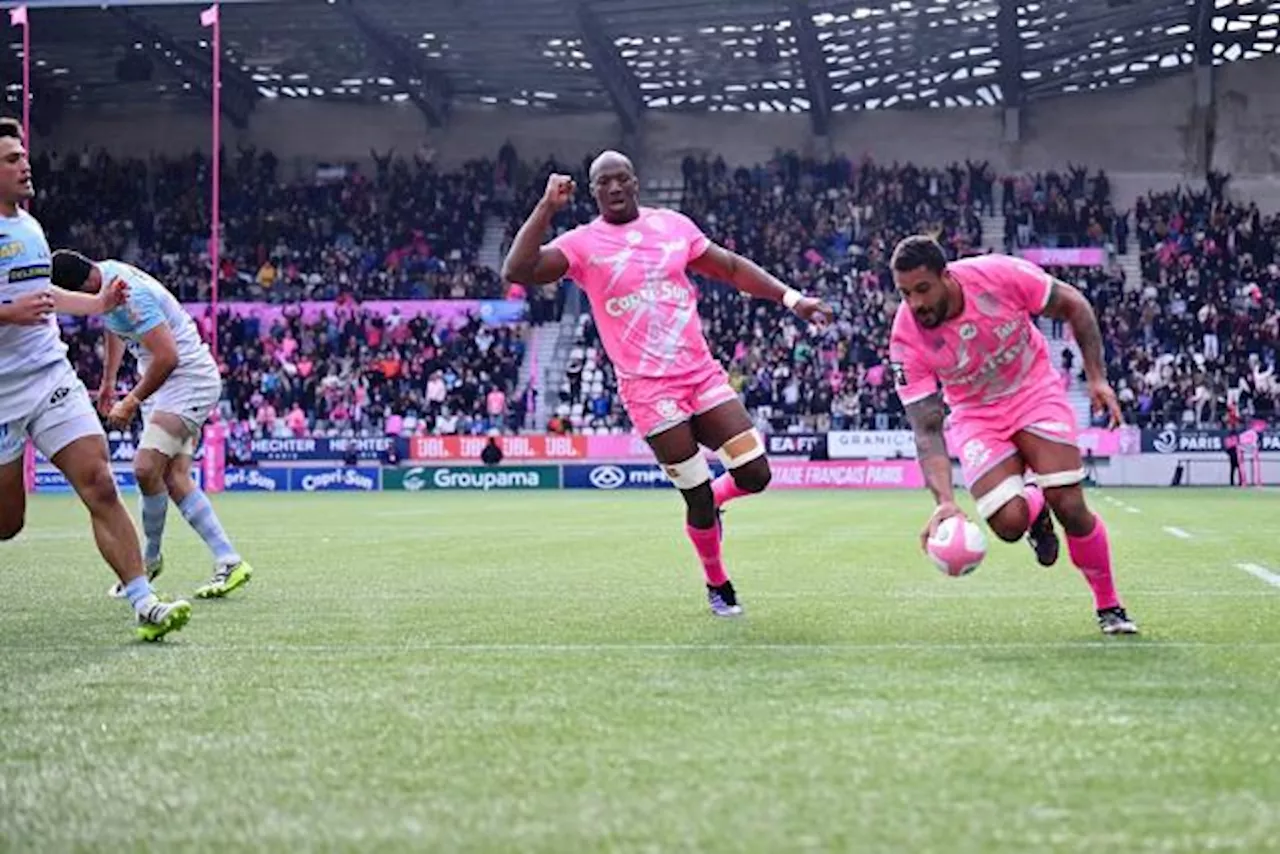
{"x": 18, "y": 17}
{"x": 209, "y": 16}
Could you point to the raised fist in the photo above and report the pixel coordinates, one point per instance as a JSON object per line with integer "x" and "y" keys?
{"x": 560, "y": 190}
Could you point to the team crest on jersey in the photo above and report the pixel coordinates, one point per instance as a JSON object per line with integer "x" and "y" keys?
{"x": 668, "y": 408}
{"x": 11, "y": 249}
{"x": 634, "y": 237}
{"x": 968, "y": 332}
{"x": 975, "y": 453}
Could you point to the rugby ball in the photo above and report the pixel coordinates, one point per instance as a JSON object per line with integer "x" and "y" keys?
{"x": 957, "y": 547}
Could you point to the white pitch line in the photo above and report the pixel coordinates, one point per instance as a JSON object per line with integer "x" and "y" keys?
{"x": 1261, "y": 573}
{"x": 641, "y": 647}
{"x": 1176, "y": 532}
{"x": 1129, "y": 509}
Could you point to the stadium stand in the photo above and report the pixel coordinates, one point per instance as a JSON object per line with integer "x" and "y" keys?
{"x": 1062, "y": 209}
{"x": 1192, "y": 342}
{"x": 403, "y": 229}
{"x": 1196, "y": 344}
{"x": 355, "y": 373}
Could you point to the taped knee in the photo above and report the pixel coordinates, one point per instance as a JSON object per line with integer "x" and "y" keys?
{"x": 1004, "y": 492}
{"x": 741, "y": 449}
{"x": 689, "y": 474}
{"x": 156, "y": 438}
{"x": 1059, "y": 479}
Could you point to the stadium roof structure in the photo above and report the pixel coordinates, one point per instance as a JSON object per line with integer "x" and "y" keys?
{"x": 801, "y": 56}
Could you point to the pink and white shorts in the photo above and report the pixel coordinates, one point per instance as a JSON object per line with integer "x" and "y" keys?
{"x": 659, "y": 405}
{"x": 985, "y": 441}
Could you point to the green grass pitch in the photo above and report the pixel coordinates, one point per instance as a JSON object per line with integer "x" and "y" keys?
{"x": 538, "y": 673}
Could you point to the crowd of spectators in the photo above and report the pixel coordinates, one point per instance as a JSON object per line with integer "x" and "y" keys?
{"x": 353, "y": 372}
{"x": 1068, "y": 209}
{"x": 1196, "y": 344}
{"x": 1193, "y": 343}
{"x": 398, "y": 228}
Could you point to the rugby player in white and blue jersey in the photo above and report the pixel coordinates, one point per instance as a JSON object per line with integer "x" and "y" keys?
{"x": 41, "y": 397}
{"x": 177, "y": 390}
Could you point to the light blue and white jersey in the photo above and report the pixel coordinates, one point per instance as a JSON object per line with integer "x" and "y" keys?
{"x": 148, "y": 306}
{"x": 24, "y": 350}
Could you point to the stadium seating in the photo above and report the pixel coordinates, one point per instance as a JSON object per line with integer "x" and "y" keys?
{"x": 360, "y": 374}
{"x": 405, "y": 230}
{"x": 1197, "y": 343}
{"x": 1195, "y": 340}
{"x": 1062, "y": 209}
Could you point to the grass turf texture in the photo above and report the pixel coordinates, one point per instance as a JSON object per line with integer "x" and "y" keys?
{"x": 537, "y": 672}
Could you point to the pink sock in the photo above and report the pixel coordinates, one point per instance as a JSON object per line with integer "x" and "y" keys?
{"x": 1092, "y": 556}
{"x": 725, "y": 489}
{"x": 706, "y": 542}
{"x": 1035, "y": 502}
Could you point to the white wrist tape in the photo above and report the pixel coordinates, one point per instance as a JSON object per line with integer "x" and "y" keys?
{"x": 791, "y": 297}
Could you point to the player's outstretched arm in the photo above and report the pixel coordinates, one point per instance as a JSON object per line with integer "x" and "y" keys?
{"x": 747, "y": 276}
{"x": 927, "y": 417}
{"x": 529, "y": 262}
{"x": 80, "y": 304}
{"x": 1068, "y": 304}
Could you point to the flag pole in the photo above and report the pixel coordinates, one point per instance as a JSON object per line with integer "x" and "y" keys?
{"x": 26, "y": 76}
{"x": 20, "y": 17}
{"x": 211, "y": 18}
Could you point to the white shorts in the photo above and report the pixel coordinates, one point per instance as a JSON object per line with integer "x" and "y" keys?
{"x": 61, "y": 414}
{"x": 191, "y": 398}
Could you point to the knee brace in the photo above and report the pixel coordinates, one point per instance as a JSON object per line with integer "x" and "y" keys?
{"x": 1059, "y": 478}
{"x": 156, "y": 438}
{"x": 689, "y": 474}
{"x": 742, "y": 449}
{"x": 1004, "y": 492}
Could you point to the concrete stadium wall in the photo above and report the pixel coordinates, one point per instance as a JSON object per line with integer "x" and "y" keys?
{"x": 1159, "y": 469}
{"x": 1143, "y": 135}
{"x": 1248, "y": 128}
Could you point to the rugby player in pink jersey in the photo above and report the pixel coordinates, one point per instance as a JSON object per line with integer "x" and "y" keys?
{"x": 968, "y": 326}
{"x": 631, "y": 262}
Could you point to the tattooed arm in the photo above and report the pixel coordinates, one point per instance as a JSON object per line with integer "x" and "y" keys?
{"x": 927, "y": 417}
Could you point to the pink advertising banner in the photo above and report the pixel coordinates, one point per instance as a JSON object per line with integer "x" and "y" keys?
{"x": 1065, "y": 257}
{"x": 846, "y": 474}
{"x": 855, "y": 445}
{"x": 626, "y": 447}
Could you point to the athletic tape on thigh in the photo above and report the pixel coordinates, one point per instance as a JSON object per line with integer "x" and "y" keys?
{"x": 742, "y": 449}
{"x": 689, "y": 474}
{"x": 1059, "y": 478}
{"x": 1004, "y": 492}
{"x": 159, "y": 439}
